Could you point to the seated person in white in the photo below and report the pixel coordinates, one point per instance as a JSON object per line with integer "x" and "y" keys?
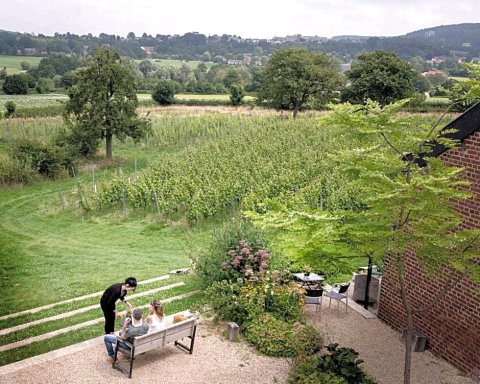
{"x": 155, "y": 318}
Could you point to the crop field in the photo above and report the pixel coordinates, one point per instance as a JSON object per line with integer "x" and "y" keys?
{"x": 34, "y": 100}
{"x": 12, "y": 63}
{"x": 53, "y": 99}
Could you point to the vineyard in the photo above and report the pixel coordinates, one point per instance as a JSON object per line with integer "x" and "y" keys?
{"x": 234, "y": 160}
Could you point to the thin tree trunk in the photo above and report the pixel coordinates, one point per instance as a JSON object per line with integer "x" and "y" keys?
{"x": 295, "y": 112}
{"x": 408, "y": 348}
{"x": 108, "y": 144}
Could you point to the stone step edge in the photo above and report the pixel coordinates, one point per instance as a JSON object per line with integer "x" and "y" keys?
{"x": 75, "y": 327}
{"x": 64, "y": 315}
{"x": 48, "y": 306}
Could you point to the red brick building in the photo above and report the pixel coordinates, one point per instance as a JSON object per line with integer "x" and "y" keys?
{"x": 453, "y": 325}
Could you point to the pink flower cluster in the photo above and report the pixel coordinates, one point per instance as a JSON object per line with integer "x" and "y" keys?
{"x": 251, "y": 262}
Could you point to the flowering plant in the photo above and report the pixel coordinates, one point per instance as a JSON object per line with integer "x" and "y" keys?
{"x": 250, "y": 261}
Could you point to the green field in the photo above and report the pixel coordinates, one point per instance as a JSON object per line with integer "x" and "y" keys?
{"x": 34, "y": 100}
{"x": 12, "y": 63}
{"x": 176, "y": 63}
{"x": 438, "y": 100}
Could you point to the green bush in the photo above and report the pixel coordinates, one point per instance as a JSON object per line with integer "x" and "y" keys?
{"x": 275, "y": 337}
{"x": 224, "y": 298}
{"x": 13, "y": 171}
{"x": 16, "y": 85}
{"x": 203, "y": 102}
{"x": 338, "y": 366}
{"x": 243, "y": 302}
{"x": 164, "y": 92}
{"x": 10, "y": 108}
{"x": 236, "y": 94}
{"x": 48, "y": 159}
{"x": 208, "y": 264}
{"x": 306, "y": 372}
{"x": 40, "y": 111}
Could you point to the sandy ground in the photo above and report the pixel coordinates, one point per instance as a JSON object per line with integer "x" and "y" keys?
{"x": 216, "y": 360}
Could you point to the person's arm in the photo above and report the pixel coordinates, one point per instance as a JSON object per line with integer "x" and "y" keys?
{"x": 123, "y": 332}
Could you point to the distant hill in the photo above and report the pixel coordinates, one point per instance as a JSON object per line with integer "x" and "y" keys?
{"x": 450, "y": 41}
{"x": 350, "y": 38}
{"x": 464, "y": 38}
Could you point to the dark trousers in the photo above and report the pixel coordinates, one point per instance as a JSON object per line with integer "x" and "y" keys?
{"x": 109, "y": 314}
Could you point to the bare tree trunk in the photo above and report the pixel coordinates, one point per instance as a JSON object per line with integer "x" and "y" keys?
{"x": 408, "y": 347}
{"x": 295, "y": 112}
{"x": 108, "y": 143}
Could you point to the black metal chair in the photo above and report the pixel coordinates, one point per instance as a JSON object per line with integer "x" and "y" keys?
{"x": 314, "y": 296}
{"x": 341, "y": 293}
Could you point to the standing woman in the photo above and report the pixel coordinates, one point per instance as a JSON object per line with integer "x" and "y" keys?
{"x": 110, "y": 297}
{"x": 155, "y": 318}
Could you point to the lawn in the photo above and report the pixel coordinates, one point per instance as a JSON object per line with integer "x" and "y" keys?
{"x": 12, "y": 63}
{"x": 49, "y": 253}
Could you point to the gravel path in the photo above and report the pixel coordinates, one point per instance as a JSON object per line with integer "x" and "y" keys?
{"x": 381, "y": 348}
{"x": 216, "y": 361}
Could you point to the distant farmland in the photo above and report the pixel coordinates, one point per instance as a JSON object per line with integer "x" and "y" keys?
{"x": 12, "y": 63}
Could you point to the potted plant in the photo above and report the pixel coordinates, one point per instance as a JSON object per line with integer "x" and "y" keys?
{"x": 307, "y": 269}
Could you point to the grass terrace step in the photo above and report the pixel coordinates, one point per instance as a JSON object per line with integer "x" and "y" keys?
{"x": 91, "y": 314}
{"x": 54, "y": 309}
{"x": 72, "y": 328}
{"x": 89, "y": 332}
{"x": 80, "y": 310}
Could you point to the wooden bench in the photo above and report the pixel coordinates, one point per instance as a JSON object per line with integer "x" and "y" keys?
{"x": 159, "y": 339}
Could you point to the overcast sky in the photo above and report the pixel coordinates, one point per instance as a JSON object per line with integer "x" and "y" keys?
{"x": 246, "y": 18}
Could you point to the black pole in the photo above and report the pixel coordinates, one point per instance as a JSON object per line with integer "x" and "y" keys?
{"x": 367, "y": 285}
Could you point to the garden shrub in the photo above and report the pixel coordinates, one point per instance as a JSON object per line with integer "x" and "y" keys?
{"x": 306, "y": 372}
{"x": 224, "y": 298}
{"x": 338, "y": 366}
{"x": 243, "y": 302}
{"x": 208, "y": 264}
{"x": 275, "y": 337}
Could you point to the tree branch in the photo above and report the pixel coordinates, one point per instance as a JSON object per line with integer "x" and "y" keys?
{"x": 390, "y": 144}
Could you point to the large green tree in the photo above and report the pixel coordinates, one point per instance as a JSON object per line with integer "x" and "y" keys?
{"x": 102, "y": 102}
{"x": 295, "y": 76}
{"x": 381, "y": 76}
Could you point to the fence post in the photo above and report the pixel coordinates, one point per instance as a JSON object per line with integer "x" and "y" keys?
{"x": 123, "y": 201}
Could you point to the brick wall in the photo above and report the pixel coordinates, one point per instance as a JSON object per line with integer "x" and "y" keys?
{"x": 453, "y": 325}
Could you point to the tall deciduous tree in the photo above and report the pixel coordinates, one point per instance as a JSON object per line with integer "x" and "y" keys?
{"x": 381, "y": 76}
{"x": 103, "y": 102}
{"x": 295, "y": 76}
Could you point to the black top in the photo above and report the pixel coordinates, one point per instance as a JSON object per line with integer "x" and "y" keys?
{"x": 112, "y": 294}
